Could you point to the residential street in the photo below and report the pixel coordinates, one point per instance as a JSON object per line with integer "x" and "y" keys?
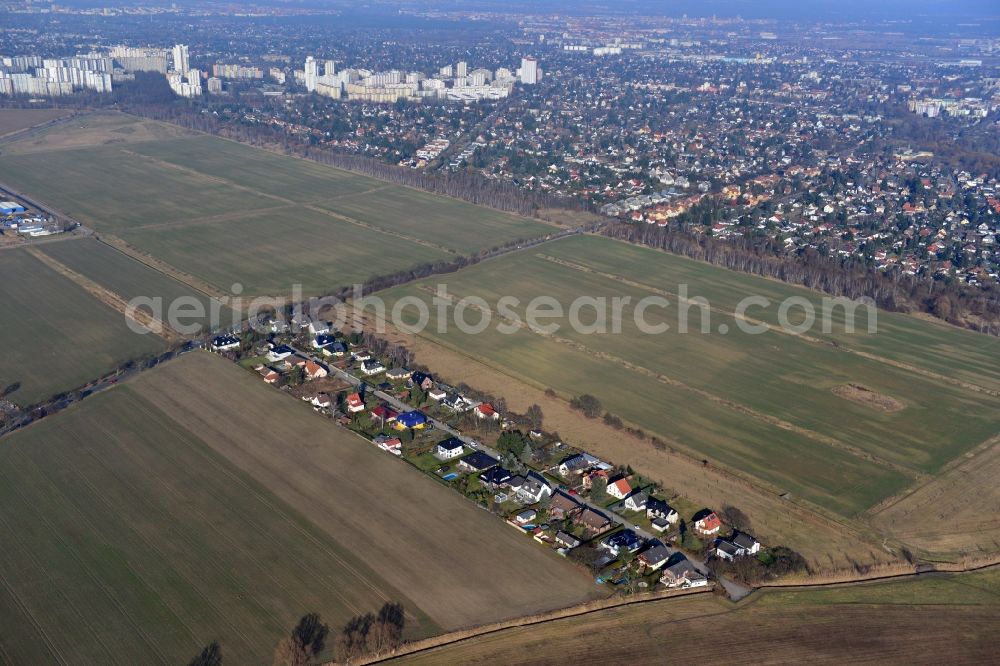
{"x": 735, "y": 590}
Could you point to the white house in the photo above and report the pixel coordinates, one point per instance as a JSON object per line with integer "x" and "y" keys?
{"x": 636, "y": 501}
{"x": 355, "y": 404}
{"x": 391, "y": 444}
{"x": 318, "y": 327}
{"x": 534, "y": 489}
{"x": 321, "y": 401}
{"x": 738, "y": 545}
{"x": 372, "y": 367}
{"x": 619, "y": 489}
{"x": 225, "y": 343}
{"x": 449, "y": 448}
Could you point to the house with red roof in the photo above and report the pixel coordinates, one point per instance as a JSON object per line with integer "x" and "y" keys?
{"x": 391, "y": 444}
{"x": 619, "y": 488}
{"x": 355, "y": 404}
{"x": 485, "y": 411}
{"x": 707, "y": 523}
{"x": 385, "y": 414}
{"x": 314, "y": 370}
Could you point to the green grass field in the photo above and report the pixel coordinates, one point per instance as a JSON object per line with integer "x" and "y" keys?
{"x": 56, "y": 336}
{"x": 130, "y": 278}
{"x": 268, "y": 253}
{"x": 228, "y": 213}
{"x": 759, "y": 404}
{"x": 129, "y": 540}
{"x": 127, "y": 191}
{"x": 927, "y": 344}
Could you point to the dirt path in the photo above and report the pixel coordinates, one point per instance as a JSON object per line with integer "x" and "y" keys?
{"x": 109, "y": 298}
{"x": 777, "y": 329}
{"x": 532, "y": 620}
{"x": 161, "y": 266}
{"x": 381, "y": 230}
{"x": 711, "y": 397}
{"x": 826, "y": 539}
{"x": 212, "y": 219}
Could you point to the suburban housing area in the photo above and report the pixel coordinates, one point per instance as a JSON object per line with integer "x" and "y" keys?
{"x": 459, "y": 332}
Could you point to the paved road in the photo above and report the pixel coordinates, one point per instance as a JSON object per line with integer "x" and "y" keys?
{"x": 736, "y": 590}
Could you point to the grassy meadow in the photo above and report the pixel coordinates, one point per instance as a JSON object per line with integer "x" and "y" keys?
{"x": 14, "y": 120}
{"x": 56, "y": 336}
{"x": 268, "y": 252}
{"x": 768, "y": 405}
{"x": 128, "y": 277}
{"x": 226, "y": 212}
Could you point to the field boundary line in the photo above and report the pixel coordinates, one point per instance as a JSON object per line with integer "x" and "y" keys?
{"x": 930, "y": 374}
{"x": 160, "y": 266}
{"x": 218, "y": 180}
{"x": 274, "y": 150}
{"x": 724, "y": 402}
{"x": 15, "y": 135}
{"x": 371, "y": 227}
{"x": 109, "y": 298}
{"x": 211, "y": 219}
{"x": 969, "y": 458}
{"x": 804, "y": 509}
{"x": 568, "y": 613}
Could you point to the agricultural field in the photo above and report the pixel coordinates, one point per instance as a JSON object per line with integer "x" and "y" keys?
{"x": 230, "y": 213}
{"x": 15, "y": 120}
{"x": 953, "y": 515}
{"x": 269, "y": 252}
{"x": 167, "y": 518}
{"x": 844, "y": 425}
{"x": 412, "y": 530}
{"x": 56, "y": 336}
{"x": 900, "y": 622}
{"x": 94, "y": 129}
{"x": 129, "y": 540}
{"x": 131, "y": 279}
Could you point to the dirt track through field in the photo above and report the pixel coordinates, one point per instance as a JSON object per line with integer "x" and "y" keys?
{"x": 825, "y": 539}
{"x": 730, "y": 404}
{"x": 109, "y": 298}
{"x": 161, "y": 266}
{"x": 777, "y": 329}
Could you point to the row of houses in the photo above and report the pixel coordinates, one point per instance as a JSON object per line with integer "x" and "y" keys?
{"x": 530, "y": 489}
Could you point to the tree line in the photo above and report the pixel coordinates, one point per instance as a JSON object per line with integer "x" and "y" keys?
{"x": 977, "y": 308}
{"x": 367, "y": 635}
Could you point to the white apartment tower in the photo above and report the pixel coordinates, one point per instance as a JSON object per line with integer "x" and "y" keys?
{"x": 312, "y": 73}
{"x": 462, "y": 69}
{"x": 181, "y": 59}
{"x": 529, "y": 70}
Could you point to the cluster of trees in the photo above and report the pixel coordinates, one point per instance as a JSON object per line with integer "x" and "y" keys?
{"x": 588, "y": 404}
{"x": 371, "y": 634}
{"x": 302, "y": 646}
{"x": 976, "y": 308}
